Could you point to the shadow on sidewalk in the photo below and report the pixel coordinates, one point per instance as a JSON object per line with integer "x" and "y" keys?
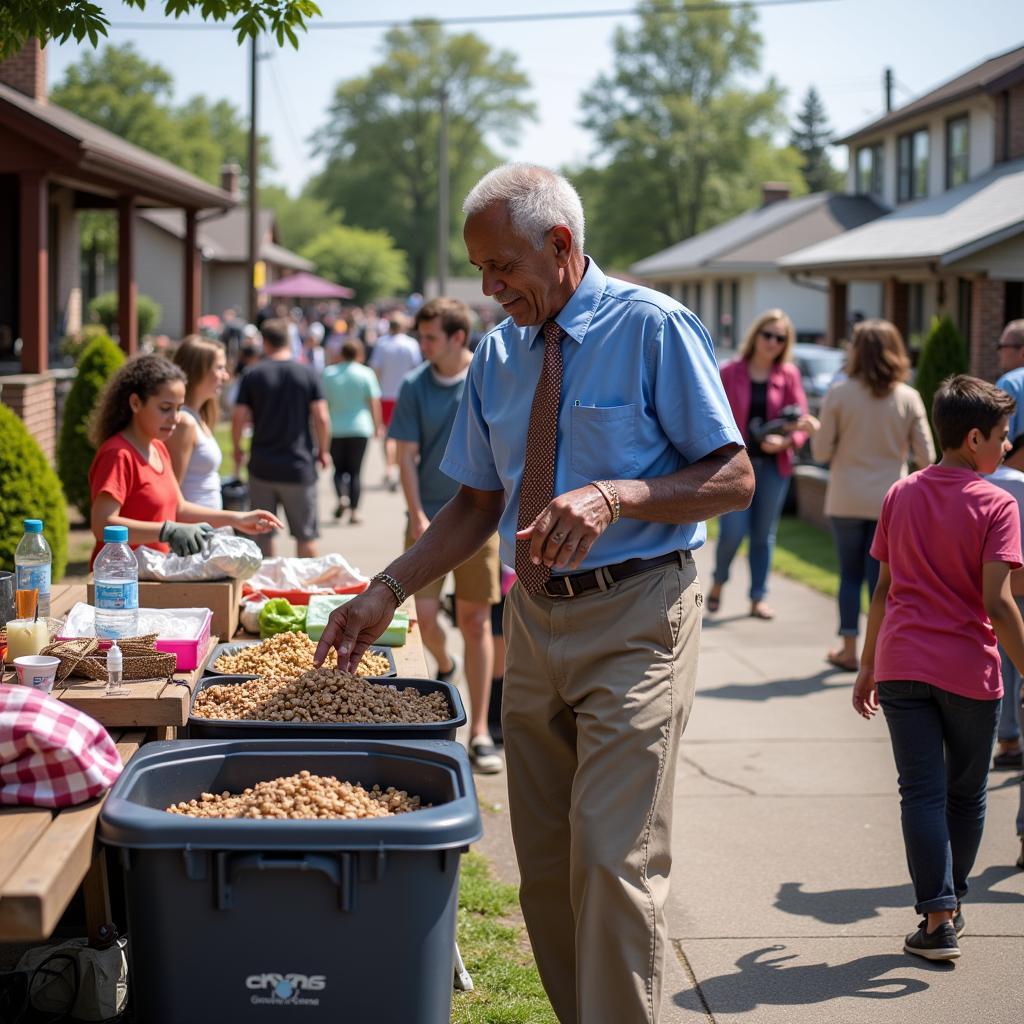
{"x": 764, "y": 982}
{"x": 773, "y": 688}
{"x": 845, "y": 906}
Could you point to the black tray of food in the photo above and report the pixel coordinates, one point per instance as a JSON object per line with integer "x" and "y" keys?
{"x": 237, "y": 645}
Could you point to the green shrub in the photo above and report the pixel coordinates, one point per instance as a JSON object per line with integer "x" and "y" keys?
{"x": 944, "y": 354}
{"x": 74, "y": 345}
{"x": 30, "y": 490}
{"x": 103, "y": 309}
{"x": 74, "y": 452}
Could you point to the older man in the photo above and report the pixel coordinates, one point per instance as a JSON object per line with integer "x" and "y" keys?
{"x": 1011, "y": 362}
{"x": 595, "y": 434}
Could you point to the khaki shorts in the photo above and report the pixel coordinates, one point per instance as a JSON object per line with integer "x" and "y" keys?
{"x": 476, "y": 580}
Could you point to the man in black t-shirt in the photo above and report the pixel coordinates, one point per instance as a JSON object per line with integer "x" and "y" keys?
{"x": 284, "y": 403}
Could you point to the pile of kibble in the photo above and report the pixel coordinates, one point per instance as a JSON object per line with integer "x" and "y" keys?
{"x": 301, "y": 796}
{"x": 320, "y": 695}
{"x": 288, "y": 654}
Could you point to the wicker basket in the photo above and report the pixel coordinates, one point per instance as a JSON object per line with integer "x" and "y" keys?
{"x": 83, "y": 657}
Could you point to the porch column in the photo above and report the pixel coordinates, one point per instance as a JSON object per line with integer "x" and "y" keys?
{"x": 193, "y": 275}
{"x": 896, "y": 305}
{"x": 33, "y": 296}
{"x": 127, "y": 313}
{"x": 988, "y": 304}
{"x": 837, "y": 311}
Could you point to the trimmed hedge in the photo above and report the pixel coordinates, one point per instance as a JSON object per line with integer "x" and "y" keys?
{"x": 943, "y": 355}
{"x": 30, "y": 490}
{"x": 147, "y": 312}
{"x": 74, "y": 452}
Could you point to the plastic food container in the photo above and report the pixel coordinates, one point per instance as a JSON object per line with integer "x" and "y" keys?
{"x": 239, "y": 645}
{"x": 291, "y": 920}
{"x": 231, "y": 728}
{"x": 320, "y": 608}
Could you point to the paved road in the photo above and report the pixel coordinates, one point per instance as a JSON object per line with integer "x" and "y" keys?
{"x": 790, "y": 890}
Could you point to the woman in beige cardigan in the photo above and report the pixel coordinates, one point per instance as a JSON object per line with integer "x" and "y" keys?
{"x": 870, "y": 423}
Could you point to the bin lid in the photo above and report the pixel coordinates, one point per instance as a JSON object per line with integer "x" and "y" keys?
{"x": 133, "y": 815}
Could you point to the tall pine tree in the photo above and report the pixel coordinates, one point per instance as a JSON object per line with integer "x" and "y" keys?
{"x": 810, "y": 136}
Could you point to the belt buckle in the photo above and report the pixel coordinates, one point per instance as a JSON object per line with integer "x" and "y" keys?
{"x": 568, "y": 587}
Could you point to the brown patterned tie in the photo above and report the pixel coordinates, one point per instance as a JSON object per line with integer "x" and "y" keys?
{"x": 538, "y": 483}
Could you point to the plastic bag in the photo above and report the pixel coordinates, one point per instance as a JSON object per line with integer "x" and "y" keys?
{"x": 224, "y": 557}
{"x": 281, "y": 616}
{"x": 323, "y": 573}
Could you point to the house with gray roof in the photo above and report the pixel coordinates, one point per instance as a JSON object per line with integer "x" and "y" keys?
{"x": 950, "y": 168}
{"x": 730, "y": 273}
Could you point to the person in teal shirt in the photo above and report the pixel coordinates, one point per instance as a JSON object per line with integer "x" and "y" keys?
{"x": 353, "y": 398}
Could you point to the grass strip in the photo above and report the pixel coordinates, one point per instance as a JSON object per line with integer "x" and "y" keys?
{"x": 507, "y": 988}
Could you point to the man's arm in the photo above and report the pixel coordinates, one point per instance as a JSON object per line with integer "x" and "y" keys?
{"x": 322, "y": 428}
{"x": 408, "y": 455}
{"x": 865, "y": 689}
{"x": 566, "y": 530}
{"x": 241, "y": 417}
{"x": 455, "y": 534}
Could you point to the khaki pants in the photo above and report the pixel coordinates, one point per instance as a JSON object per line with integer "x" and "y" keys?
{"x": 597, "y": 692}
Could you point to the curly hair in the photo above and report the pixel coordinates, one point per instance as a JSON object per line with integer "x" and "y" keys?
{"x": 878, "y": 357}
{"x": 143, "y": 376}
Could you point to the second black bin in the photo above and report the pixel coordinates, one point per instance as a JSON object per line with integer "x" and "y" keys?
{"x": 284, "y": 921}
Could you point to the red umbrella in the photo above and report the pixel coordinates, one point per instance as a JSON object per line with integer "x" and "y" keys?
{"x": 304, "y": 285}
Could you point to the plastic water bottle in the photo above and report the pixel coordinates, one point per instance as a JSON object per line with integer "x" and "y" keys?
{"x": 32, "y": 561}
{"x": 116, "y": 575}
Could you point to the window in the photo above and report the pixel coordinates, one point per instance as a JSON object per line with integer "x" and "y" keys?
{"x": 869, "y": 170}
{"x": 915, "y": 308}
{"x": 957, "y": 156}
{"x": 913, "y": 166}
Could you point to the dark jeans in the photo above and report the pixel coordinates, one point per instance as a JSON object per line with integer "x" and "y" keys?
{"x": 942, "y": 744}
{"x": 853, "y": 539}
{"x": 347, "y": 455}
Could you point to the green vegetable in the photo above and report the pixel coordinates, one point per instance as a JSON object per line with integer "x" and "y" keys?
{"x": 281, "y": 616}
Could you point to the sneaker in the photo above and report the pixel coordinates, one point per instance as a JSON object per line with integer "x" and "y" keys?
{"x": 338, "y": 509}
{"x": 940, "y": 944}
{"x": 484, "y": 756}
{"x": 958, "y": 922}
{"x": 449, "y": 676}
{"x": 1008, "y": 760}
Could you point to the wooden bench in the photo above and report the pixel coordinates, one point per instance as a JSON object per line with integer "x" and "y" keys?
{"x": 46, "y": 855}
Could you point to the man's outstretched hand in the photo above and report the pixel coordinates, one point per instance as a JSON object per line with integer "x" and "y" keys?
{"x": 352, "y": 627}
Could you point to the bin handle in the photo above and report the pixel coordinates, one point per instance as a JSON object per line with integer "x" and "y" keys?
{"x": 339, "y": 869}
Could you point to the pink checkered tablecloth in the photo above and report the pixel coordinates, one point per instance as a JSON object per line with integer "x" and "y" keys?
{"x": 51, "y": 755}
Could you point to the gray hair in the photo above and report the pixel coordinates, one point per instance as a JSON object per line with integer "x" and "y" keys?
{"x": 537, "y": 200}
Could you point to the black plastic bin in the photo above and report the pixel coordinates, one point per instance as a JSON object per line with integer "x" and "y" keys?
{"x": 286, "y": 921}
{"x": 231, "y": 729}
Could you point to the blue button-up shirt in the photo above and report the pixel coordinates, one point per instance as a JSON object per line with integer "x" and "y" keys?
{"x": 641, "y": 398}
{"x": 1012, "y": 383}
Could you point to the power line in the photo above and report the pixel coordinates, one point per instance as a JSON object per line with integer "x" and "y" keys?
{"x": 480, "y": 19}
{"x": 284, "y": 105}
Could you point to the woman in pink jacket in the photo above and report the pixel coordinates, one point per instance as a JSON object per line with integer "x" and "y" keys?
{"x": 768, "y": 401}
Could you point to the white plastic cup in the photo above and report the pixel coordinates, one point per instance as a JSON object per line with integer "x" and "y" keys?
{"x": 37, "y": 671}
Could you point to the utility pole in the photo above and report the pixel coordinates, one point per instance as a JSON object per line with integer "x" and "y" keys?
{"x": 888, "y": 83}
{"x": 442, "y": 197}
{"x": 253, "y": 252}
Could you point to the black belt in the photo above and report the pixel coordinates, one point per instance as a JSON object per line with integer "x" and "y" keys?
{"x": 602, "y": 578}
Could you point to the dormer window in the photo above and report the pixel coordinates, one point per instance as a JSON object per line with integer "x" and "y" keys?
{"x": 957, "y": 151}
{"x": 912, "y": 164}
{"x": 869, "y": 170}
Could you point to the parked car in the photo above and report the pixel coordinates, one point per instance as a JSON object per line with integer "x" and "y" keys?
{"x": 820, "y": 367}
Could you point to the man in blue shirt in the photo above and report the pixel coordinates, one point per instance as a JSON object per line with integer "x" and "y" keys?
{"x": 1011, "y": 362}
{"x": 606, "y": 397}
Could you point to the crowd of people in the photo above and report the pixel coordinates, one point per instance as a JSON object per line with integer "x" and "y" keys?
{"x": 582, "y": 446}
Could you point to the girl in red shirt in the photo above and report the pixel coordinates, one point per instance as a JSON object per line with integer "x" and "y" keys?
{"x": 132, "y": 480}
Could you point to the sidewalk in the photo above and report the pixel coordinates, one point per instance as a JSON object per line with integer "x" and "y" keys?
{"x": 790, "y": 891}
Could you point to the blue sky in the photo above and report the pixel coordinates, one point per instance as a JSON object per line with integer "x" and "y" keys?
{"x": 840, "y": 46}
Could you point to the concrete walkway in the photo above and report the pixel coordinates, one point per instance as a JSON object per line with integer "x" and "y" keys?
{"x": 790, "y": 890}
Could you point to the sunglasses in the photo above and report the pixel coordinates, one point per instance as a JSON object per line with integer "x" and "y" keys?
{"x": 771, "y": 336}
{"x": 1009, "y": 344}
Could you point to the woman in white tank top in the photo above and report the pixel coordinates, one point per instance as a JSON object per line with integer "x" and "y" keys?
{"x": 194, "y": 450}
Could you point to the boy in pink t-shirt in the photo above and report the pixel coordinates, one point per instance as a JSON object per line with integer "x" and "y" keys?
{"x": 947, "y": 542}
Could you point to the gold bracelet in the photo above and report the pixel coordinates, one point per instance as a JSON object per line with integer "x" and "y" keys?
{"x": 611, "y": 495}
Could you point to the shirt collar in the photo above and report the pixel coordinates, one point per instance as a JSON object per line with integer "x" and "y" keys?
{"x": 575, "y": 316}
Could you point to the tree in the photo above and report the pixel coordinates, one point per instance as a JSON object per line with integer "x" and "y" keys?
{"x": 944, "y": 354}
{"x": 381, "y": 139}
{"x": 21, "y": 20}
{"x": 810, "y": 137}
{"x": 299, "y": 219}
{"x": 678, "y": 131}
{"x": 366, "y": 261}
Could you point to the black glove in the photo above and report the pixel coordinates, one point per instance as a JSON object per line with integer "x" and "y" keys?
{"x": 186, "y": 538}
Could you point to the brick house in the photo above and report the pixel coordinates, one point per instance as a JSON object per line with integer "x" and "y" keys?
{"x": 950, "y": 168}
{"x": 54, "y": 164}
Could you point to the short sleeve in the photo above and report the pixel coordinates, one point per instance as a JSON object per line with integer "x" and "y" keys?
{"x": 1002, "y": 540}
{"x": 112, "y": 473}
{"x": 405, "y": 420}
{"x": 372, "y": 384}
{"x": 880, "y": 545}
{"x": 316, "y": 391}
{"x": 468, "y": 457}
{"x": 688, "y": 394}
{"x": 244, "y": 388}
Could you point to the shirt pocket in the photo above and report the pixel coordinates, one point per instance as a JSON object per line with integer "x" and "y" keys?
{"x": 603, "y": 441}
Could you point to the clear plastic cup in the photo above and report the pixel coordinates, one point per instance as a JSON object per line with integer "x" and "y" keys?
{"x": 37, "y": 671}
